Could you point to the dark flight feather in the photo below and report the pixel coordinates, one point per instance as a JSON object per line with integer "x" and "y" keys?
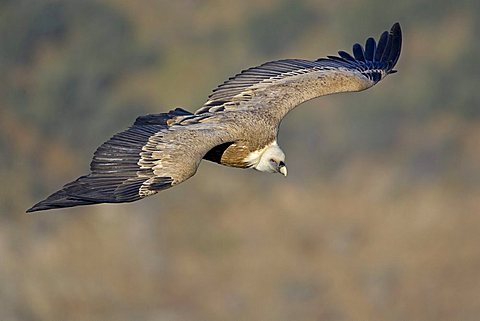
{"x": 373, "y": 62}
{"x": 116, "y": 176}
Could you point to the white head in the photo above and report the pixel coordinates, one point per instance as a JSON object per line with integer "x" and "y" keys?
{"x": 271, "y": 160}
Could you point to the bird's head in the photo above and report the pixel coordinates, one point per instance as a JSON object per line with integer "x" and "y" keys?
{"x": 272, "y": 160}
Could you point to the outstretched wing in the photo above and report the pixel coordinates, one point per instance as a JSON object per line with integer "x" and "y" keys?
{"x": 152, "y": 155}
{"x": 287, "y": 83}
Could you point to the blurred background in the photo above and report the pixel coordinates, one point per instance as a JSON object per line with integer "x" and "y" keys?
{"x": 377, "y": 220}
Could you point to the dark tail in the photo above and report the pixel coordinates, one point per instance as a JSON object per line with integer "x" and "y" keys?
{"x": 116, "y": 176}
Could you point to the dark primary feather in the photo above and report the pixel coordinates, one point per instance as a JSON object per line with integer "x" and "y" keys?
{"x": 370, "y": 47}
{"x": 115, "y": 174}
{"x": 161, "y": 119}
{"x": 374, "y": 62}
{"x": 358, "y": 52}
{"x": 382, "y": 42}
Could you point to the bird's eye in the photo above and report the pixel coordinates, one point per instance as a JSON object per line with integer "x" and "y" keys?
{"x": 271, "y": 160}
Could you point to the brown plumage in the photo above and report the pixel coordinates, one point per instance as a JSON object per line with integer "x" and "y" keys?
{"x": 236, "y": 127}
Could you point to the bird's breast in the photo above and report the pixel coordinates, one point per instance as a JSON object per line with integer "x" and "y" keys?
{"x": 237, "y": 154}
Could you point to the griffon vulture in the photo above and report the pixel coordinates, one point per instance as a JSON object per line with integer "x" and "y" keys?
{"x": 236, "y": 127}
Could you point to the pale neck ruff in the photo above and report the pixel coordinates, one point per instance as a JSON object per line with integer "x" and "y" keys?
{"x": 254, "y": 157}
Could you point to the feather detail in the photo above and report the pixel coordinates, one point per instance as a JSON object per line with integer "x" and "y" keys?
{"x": 374, "y": 62}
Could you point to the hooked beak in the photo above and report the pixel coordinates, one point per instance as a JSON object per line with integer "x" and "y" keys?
{"x": 282, "y": 169}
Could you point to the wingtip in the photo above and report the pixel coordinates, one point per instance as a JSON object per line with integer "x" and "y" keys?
{"x": 396, "y": 27}
{"x": 396, "y": 35}
{"x": 40, "y": 206}
{"x": 57, "y": 200}
{"x": 396, "y": 30}
{"x": 35, "y": 208}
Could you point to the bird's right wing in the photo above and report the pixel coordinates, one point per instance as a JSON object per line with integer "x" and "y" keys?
{"x": 154, "y": 154}
{"x": 284, "y": 84}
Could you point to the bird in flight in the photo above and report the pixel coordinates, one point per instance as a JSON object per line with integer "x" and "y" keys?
{"x": 236, "y": 127}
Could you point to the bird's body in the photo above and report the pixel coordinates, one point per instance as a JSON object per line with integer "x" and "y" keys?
{"x": 246, "y": 142}
{"x": 236, "y": 127}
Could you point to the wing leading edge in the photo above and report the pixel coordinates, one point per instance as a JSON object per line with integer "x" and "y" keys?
{"x": 367, "y": 65}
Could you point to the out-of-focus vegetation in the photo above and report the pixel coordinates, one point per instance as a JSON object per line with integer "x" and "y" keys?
{"x": 379, "y": 218}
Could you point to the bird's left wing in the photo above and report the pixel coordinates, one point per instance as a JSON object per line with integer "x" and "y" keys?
{"x": 284, "y": 84}
{"x": 155, "y": 153}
